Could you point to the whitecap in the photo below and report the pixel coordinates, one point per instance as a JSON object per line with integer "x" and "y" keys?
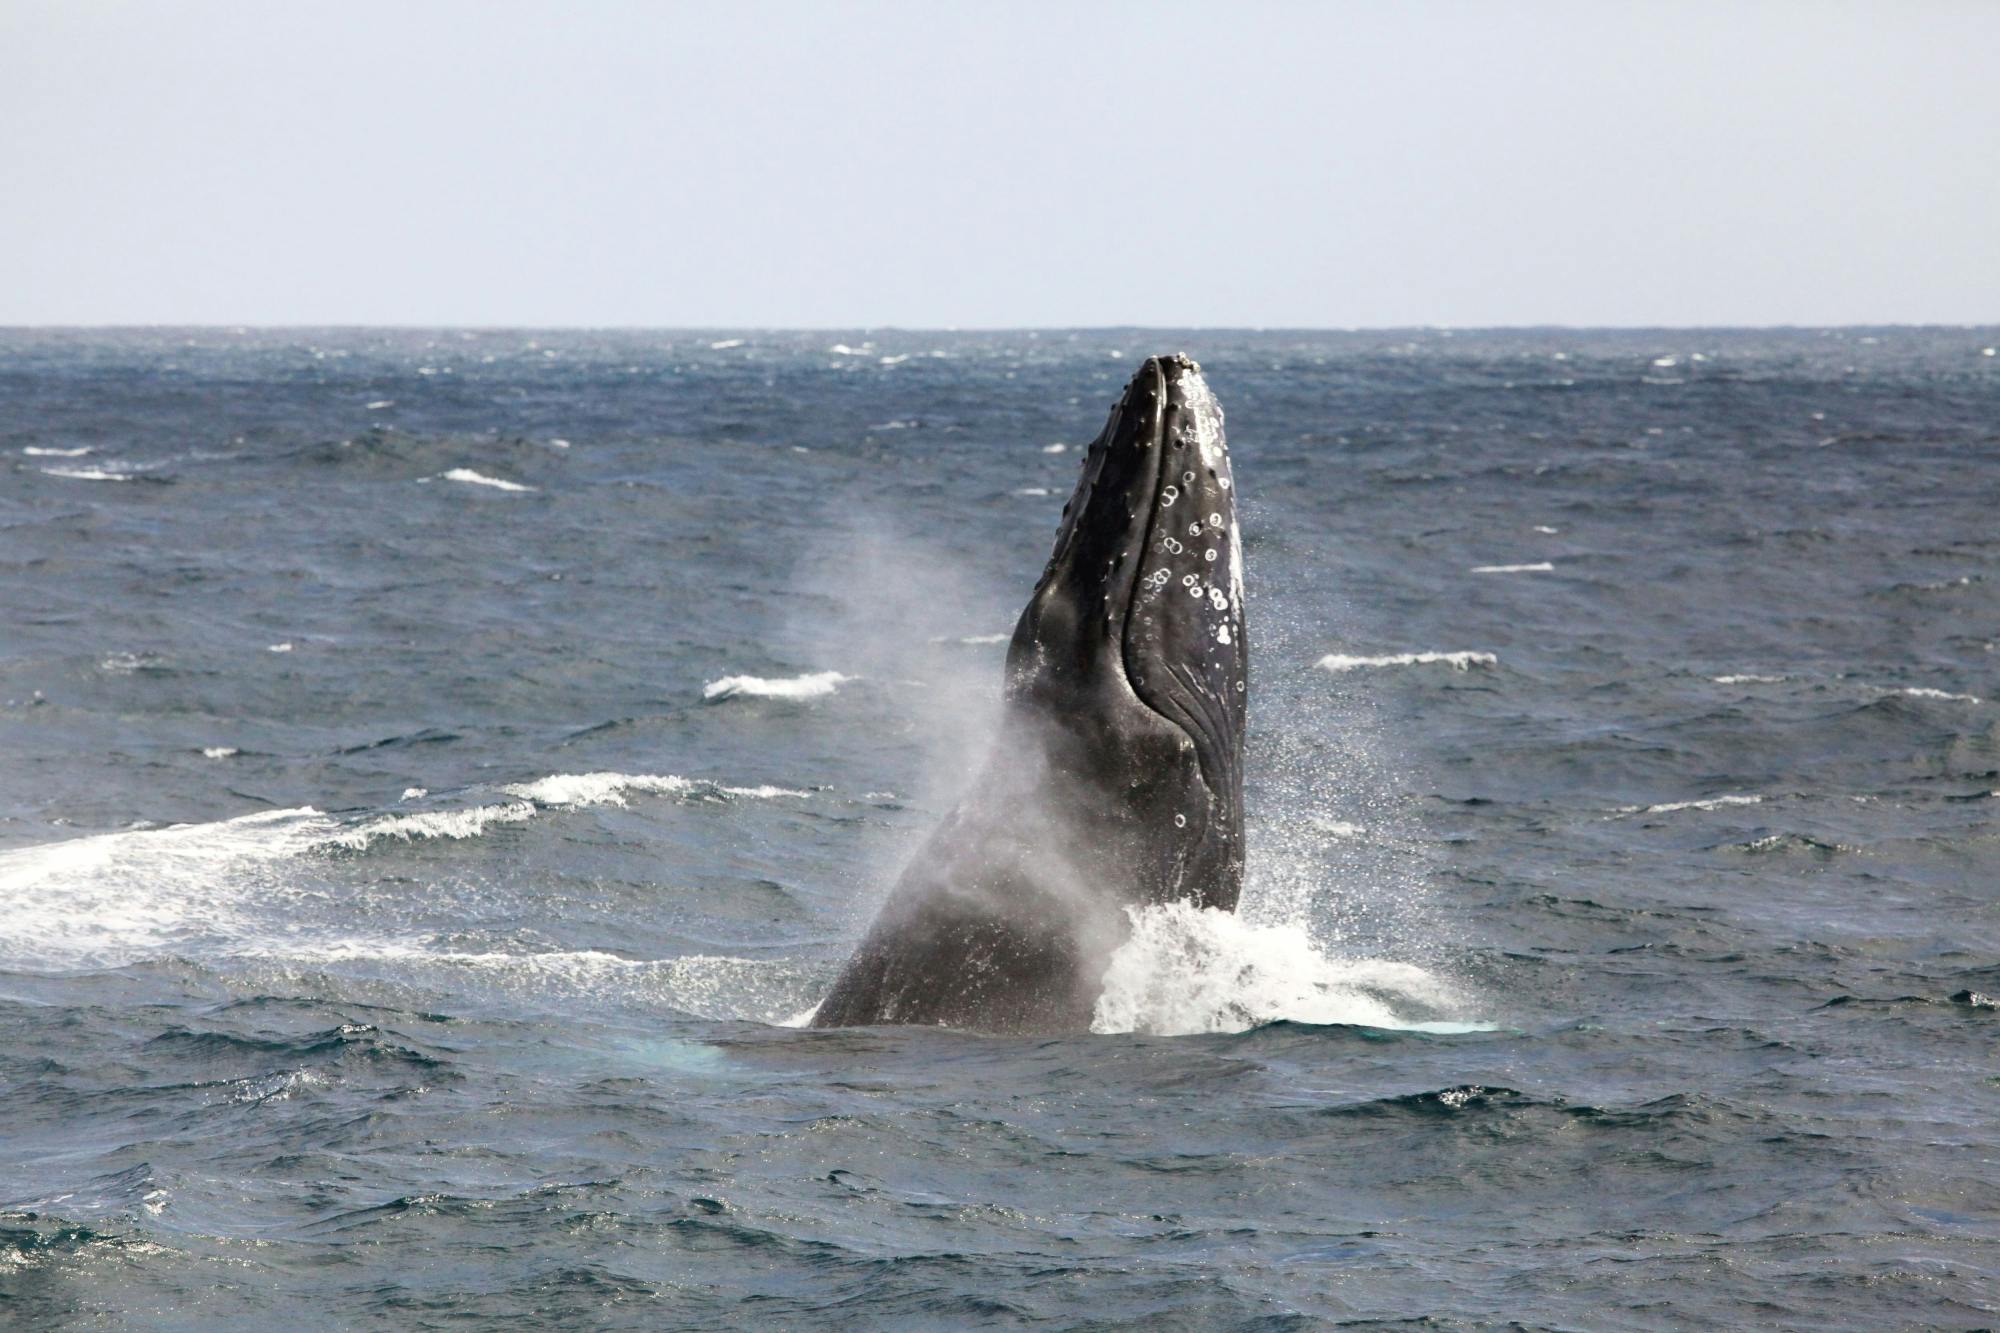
{"x": 1032, "y": 490}
{"x": 1924, "y": 692}
{"x": 1458, "y": 661}
{"x": 40, "y": 451}
{"x": 1748, "y": 678}
{"x": 116, "y": 896}
{"x": 84, "y": 474}
{"x": 467, "y": 475}
{"x": 812, "y": 685}
{"x": 574, "y": 790}
{"x": 1707, "y": 803}
{"x": 450, "y": 824}
{"x": 219, "y": 752}
{"x": 725, "y": 344}
{"x": 580, "y": 789}
{"x": 1054, "y": 448}
{"x": 381, "y": 403}
{"x": 1539, "y": 567}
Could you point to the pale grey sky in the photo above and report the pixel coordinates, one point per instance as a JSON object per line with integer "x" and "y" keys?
{"x": 998, "y": 164}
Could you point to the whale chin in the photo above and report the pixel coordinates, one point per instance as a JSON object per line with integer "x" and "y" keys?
{"x": 1115, "y": 781}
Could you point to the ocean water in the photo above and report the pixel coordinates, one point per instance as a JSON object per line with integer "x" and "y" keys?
{"x": 439, "y": 771}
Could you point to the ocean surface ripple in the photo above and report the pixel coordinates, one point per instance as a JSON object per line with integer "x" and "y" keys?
{"x": 442, "y": 771}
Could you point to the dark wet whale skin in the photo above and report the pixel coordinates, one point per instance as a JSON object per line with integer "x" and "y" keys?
{"x": 1116, "y": 779}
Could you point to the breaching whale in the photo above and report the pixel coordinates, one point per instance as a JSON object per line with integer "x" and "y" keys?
{"x": 1115, "y": 780}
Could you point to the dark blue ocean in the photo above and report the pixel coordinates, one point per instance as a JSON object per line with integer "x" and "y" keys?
{"x": 439, "y": 772}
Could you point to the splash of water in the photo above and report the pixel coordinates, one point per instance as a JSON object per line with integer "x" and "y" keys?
{"x": 1191, "y": 970}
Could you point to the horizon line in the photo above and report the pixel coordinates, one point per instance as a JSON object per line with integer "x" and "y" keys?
{"x": 238, "y": 326}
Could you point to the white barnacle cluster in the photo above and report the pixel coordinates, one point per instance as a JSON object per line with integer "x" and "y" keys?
{"x": 1204, "y": 418}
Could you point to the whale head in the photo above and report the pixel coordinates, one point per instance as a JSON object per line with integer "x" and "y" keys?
{"x": 1131, "y": 654}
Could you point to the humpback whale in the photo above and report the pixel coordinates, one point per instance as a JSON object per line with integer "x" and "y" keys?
{"x": 1115, "y": 779}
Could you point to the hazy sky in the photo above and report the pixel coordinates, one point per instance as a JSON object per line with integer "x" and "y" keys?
{"x": 1005, "y": 163}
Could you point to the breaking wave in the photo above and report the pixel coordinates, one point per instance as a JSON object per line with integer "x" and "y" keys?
{"x": 812, "y": 685}
{"x": 1459, "y": 661}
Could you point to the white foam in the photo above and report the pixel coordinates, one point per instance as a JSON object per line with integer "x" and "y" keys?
{"x": 578, "y": 790}
{"x": 453, "y": 824}
{"x": 1546, "y": 529}
{"x": 581, "y": 789}
{"x": 40, "y": 451}
{"x": 1539, "y": 567}
{"x": 725, "y": 344}
{"x": 1747, "y": 679}
{"x": 1188, "y": 970}
{"x": 414, "y": 793}
{"x": 106, "y": 899}
{"x": 812, "y": 685}
{"x": 1710, "y": 803}
{"x": 704, "y": 985}
{"x": 1458, "y": 661}
{"x": 893, "y": 360}
{"x": 381, "y": 403}
{"x": 279, "y": 648}
{"x": 1924, "y": 692}
{"x": 471, "y": 478}
{"x": 1054, "y": 448}
{"x": 219, "y": 752}
{"x": 842, "y": 349}
{"x": 84, "y": 474}
{"x": 1032, "y": 490}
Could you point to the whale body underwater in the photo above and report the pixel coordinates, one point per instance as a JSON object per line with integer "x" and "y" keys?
{"x": 1116, "y": 777}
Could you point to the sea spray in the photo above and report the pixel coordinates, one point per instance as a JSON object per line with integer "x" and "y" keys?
{"x": 1191, "y": 970}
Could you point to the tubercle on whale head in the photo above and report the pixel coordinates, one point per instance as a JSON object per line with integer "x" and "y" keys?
{"x": 1134, "y": 637}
